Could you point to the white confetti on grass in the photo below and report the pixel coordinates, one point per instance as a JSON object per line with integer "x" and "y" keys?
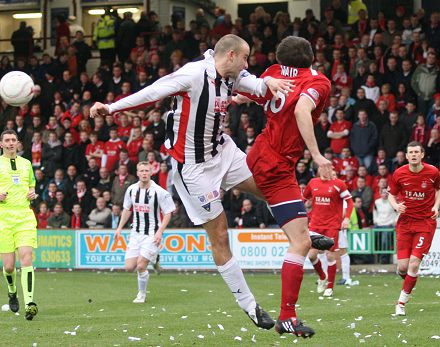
{"x": 200, "y": 336}
{"x": 171, "y": 338}
{"x": 243, "y": 330}
{"x": 435, "y": 337}
{"x": 237, "y": 338}
{"x": 270, "y": 294}
{"x": 184, "y": 317}
{"x": 357, "y": 334}
{"x": 254, "y": 340}
{"x": 220, "y": 327}
{"x": 404, "y": 341}
{"x": 133, "y": 338}
{"x": 359, "y": 318}
{"x": 209, "y": 326}
{"x": 77, "y": 327}
{"x": 184, "y": 290}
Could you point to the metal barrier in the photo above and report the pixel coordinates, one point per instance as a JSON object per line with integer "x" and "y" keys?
{"x": 372, "y": 241}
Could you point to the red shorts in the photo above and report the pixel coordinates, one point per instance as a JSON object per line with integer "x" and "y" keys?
{"x": 414, "y": 237}
{"x": 273, "y": 174}
{"x": 331, "y": 233}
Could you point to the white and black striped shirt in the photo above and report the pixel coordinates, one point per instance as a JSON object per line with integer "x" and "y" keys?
{"x": 201, "y": 97}
{"x": 146, "y": 205}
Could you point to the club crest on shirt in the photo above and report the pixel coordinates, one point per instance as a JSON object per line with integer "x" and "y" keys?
{"x": 313, "y": 93}
{"x": 424, "y": 185}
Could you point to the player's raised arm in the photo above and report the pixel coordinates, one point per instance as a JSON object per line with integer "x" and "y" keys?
{"x": 171, "y": 84}
{"x": 303, "y": 115}
{"x": 258, "y": 87}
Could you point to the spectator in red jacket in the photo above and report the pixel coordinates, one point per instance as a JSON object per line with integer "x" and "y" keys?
{"x": 339, "y": 133}
{"x": 43, "y": 215}
{"x": 111, "y": 149}
{"x": 134, "y": 144}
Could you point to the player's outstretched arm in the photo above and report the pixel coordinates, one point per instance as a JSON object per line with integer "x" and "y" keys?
{"x": 303, "y": 115}
{"x": 171, "y": 84}
{"x": 125, "y": 216}
{"x": 258, "y": 87}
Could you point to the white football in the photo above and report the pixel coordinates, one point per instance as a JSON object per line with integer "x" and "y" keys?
{"x": 16, "y": 88}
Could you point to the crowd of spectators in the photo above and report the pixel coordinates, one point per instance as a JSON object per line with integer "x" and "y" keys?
{"x": 385, "y": 92}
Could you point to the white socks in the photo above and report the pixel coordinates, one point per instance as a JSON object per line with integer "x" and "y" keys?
{"x": 234, "y": 278}
{"x": 403, "y": 298}
{"x": 143, "y": 281}
{"x": 345, "y": 265}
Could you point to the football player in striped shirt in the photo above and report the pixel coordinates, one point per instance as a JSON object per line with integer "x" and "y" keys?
{"x": 146, "y": 201}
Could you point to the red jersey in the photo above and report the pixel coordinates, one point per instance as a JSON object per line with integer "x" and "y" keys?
{"x": 416, "y": 190}
{"x": 338, "y": 127}
{"x": 341, "y": 165}
{"x": 92, "y": 148}
{"x": 133, "y": 149}
{"x": 111, "y": 150}
{"x": 281, "y": 130}
{"x": 124, "y": 131}
{"x": 327, "y": 202}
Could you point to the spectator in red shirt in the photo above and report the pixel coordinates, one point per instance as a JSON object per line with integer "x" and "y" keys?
{"x": 382, "y": 172}
{"x": 341, "y": 79}
{"x": 350, "y": 177}
{"x": 346, "y": 160}
{"x": 155, "y": 165}
{"x": 95, "y": 149}
{"x": 388, "y": 96}
{"x": 134, "y": 144}
{"x": 420, "y": 132}
{"x": 43, "y": 215}
{"x": 164, "y": 177}
{"x": 111, "y": 149}
{"x": 124, "y": 128}
{"x": 339, "y": 133}
{"x": 74, "y": 113}
{"x": 363, "y": 172}
{"x": 78, "y": 219}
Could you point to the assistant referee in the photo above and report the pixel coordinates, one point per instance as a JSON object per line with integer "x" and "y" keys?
{"x": 17, "y": 222}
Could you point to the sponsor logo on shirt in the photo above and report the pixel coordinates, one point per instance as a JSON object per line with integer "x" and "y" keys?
{"x": 220, "y": 105}
{"x": 245, "y": 74}
{"x": 322, "y": 200}
{"x": 414, "y": 195}
{"x": 313, "y": 93}
{"x": 141, "y": 208}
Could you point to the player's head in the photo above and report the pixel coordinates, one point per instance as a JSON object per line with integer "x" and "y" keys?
{"x": 9, "y": 141}
{"x": 414, "y": 153}
{"x": 295, "y": 51}
{"x": 232, "y": 53}
{"x": 144, "y": 171}
{"x": 323, "y": 177}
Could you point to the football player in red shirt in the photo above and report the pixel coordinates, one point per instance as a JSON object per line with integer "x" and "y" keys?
{"x": 273, "y": 158}
{"x": 327, "y": 198}
{"x": 414, "y": 192}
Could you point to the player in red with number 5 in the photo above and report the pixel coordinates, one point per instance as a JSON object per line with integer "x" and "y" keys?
{"x": 414, "y": 192}
{"x": 273, "y": 157}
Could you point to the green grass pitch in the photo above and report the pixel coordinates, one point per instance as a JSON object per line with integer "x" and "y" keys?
{"x": 196, "y": 309}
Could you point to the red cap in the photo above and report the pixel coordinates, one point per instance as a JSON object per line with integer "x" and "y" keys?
{"x": 436, "y": 96}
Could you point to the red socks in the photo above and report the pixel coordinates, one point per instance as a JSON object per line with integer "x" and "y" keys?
{"x": 409, "y": 283}
{"x": 318, "y": 269}
{"x": 331, "y": 274}
{"x": 291, "y": 277}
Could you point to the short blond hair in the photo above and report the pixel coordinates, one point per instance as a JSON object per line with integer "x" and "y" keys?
{"x": 142, "y": 163}
{"x": 228, "y": 43}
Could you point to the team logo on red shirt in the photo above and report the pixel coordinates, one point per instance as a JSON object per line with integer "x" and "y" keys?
{"x": 424, "y": 184}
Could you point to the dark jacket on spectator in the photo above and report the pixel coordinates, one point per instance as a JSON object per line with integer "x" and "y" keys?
{"x": 250, "y": 219}
{"x": 63, "y": 220}
{"x": 393, "y": 139}
{"x": 51, "y": 158}
{"x": 321, "y": 136}
{"x": 363, "y": 140}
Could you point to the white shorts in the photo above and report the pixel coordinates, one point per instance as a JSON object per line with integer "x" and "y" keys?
{"x": 199, "y": 185}
{"x": 142, "y": 245}
{"x": 343, "y": 241}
